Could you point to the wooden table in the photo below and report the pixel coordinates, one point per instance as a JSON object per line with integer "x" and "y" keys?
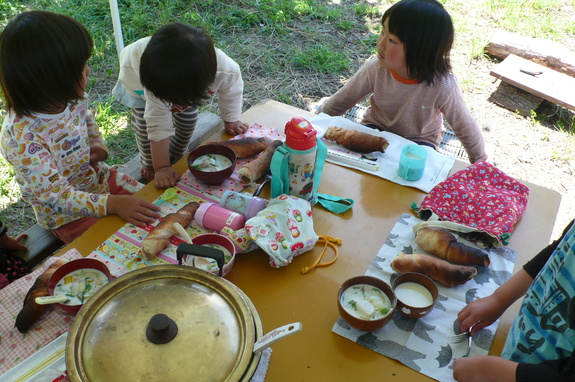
{"x": 286, "y": 295}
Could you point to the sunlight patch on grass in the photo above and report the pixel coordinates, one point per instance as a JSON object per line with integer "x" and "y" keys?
{"x": 320, "y": 57}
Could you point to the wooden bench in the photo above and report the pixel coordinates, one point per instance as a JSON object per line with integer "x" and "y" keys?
{"x": 538, "y": 80}
{"x": 42, "y": 243}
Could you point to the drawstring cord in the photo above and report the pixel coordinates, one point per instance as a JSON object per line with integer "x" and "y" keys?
{"x": 329, "y": 241}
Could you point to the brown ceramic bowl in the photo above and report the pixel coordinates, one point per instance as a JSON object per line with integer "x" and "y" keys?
{"x": 70, "y": 267}
{"x": 212, "y": 177}
{"x": 416, "y": 299}
{"x": 358, "y": 323}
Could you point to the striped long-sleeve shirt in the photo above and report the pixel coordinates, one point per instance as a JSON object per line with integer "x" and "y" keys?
{"x": 409, "y": 108}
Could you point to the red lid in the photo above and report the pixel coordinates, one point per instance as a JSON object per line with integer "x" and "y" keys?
{"x": 300, "y": 134}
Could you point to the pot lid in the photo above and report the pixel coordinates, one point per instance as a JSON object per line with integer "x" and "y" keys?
{"x": 165, "y": 323}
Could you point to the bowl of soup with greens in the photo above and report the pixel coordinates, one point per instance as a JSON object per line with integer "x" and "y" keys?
{"x": 366, "y": 303}
{"x": 78, "y": 280}
{"x": 212, "y": 164}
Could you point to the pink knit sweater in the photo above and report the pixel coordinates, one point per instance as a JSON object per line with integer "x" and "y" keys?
{"x": 411, "y": 109}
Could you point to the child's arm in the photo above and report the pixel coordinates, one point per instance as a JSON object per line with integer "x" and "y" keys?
{"x": 464, "y": 126}
{"x": 164, "y": 175}
{"x": 355, "y": 90}
{"x": 492, "y": 368}
{"x": 230, "y": 87}
{"x": 485, "y": 311}
{"x": 133, "y": 209}
{"x": 9, "y": 243}
{"x": 98, "y": 148}
{"x": 484, "y": 368}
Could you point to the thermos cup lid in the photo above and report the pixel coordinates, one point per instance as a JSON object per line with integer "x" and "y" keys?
{"x": 300, "y": 134}
{"x": 201, "y": 211}
{"x": 254, "y": 206}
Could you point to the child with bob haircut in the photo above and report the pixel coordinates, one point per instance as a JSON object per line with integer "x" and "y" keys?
{"x": 541, "y": 342}
{"x": 164, "y": 79}
{"x": 49, "y": 135}
{"x": 410, "y": 80}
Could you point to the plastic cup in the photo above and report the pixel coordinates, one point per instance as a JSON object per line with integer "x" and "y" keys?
{"x": 412, "y": 162}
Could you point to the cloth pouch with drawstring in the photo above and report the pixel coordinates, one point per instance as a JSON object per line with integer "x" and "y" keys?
{"x": 284, "y": 229}
{"x": 480, "y": 201}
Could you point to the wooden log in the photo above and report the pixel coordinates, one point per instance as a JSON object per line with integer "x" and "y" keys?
{"x": 544, "y": 52}
{"x": 515, "y": 99}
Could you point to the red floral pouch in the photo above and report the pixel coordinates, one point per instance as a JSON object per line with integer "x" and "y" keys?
{"x": 481, "y": 198}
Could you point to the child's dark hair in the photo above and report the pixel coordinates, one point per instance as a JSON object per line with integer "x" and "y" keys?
{"x": 426, "y": 30}
{"x": 42, "y": 60}
{"x": 179, "y": 64}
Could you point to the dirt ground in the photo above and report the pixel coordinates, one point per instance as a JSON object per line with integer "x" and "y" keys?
{"x": 523, "y": 148}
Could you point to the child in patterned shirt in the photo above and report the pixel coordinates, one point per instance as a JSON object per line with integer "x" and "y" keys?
{"x": 541, "y": 342}
{"x": 50, "y": 137}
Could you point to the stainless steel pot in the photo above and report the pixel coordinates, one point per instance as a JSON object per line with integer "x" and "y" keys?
{"x": 165, "y": 323}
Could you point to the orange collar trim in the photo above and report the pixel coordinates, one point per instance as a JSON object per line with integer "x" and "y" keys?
{"x": 404, "y": 80}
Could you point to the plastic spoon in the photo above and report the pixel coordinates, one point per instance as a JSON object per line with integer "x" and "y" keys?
{"x": 45, "y": 300}
{"x": 275, "y": 335}
{"x": 182, "y": 232}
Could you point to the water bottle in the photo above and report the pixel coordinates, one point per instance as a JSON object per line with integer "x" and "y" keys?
{"x": 212, "y": 216}
{"x": 301, "y": 143}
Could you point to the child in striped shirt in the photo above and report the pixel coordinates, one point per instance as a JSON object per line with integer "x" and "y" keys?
{"x": 410, "y": 80}
{"x": 164, "y": 79}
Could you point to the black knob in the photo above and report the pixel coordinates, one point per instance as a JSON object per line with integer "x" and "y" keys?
{"x": 161, "y": 329}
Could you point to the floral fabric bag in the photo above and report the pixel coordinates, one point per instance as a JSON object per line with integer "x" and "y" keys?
{"x": 480, "y": 201}
{"x": 284, "y": 229}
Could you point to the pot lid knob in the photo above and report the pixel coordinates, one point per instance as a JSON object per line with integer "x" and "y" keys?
{"x": 161, "y": 329}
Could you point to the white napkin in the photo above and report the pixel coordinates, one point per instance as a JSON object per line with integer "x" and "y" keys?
{"x": 437, "y": 166}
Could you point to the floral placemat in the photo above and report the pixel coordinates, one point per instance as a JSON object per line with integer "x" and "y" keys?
{"x": 123, "y": 248}
{"x": 426, "y": 344}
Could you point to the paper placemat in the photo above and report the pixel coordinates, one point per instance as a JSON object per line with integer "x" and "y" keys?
{"x": 437, "y": 166}
{"x": 426, "y": 344}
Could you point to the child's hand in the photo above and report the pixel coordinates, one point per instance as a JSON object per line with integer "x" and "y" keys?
{"x": 166, "y": 177}
{"x": 13, "y": 244}
{"x": 97, "y": 154}
{"x": 481, "y": 312}
{"x": 484, "y": 368}
{"x": 235, "y": 128}
{"x": 133, "y": 209}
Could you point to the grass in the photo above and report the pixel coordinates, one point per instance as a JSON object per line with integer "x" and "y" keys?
{"x": 293, "y": 51}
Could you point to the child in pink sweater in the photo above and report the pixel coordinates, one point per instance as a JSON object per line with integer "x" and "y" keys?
{"x": 410, "y": 80}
